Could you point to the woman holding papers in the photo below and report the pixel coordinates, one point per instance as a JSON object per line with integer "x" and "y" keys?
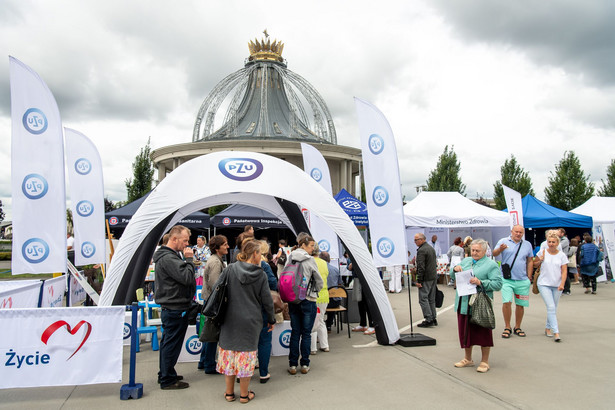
{"x": 476, "y": 270}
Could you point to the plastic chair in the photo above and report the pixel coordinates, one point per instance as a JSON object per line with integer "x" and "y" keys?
{"x": 339, "y": 292}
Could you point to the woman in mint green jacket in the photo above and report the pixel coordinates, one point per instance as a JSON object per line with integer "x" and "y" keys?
{"x": 488, "y": 276}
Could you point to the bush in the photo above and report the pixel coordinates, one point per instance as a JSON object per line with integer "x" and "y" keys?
{"x": 5, "y": 256}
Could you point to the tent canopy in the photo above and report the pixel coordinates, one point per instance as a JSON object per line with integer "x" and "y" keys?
{"x": 119, "y": 218}
{"x": 240, "y": 215}
{"x": 600, "y": 208}
{"x": 355, "y": 209}
{"x": 537, "y": 214}
{"x": 451, "y": 210}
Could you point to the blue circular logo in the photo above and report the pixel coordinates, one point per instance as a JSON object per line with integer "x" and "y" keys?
{"x": 285, "y": 338}
{"x": 380, "y": 196}
{"x": 316, "y": 174}
{"x": 35, "y": 250}
{"x": 113, "y": 220}
{"x": 376, "y": 144}
{"x": 83, "y": 166}
{"x": 324, "y": 245}
{"x": 34, "y": 186}
{"x": 88, "y": 249}
{"x": 240, "y": 169}
{"x": 85, "y": 208}
{"x": 352, "y": 205}
{"x": 194, "y": 345}
{"x": 127, "y": 329}
{"x": 34, "y": 121}
{"x": 385, "y": 247}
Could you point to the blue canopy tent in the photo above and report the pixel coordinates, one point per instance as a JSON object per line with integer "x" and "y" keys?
{"x": 537, "y": 214}
{"x": 355, "y": 209}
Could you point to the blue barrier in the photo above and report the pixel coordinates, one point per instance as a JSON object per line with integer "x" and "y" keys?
{"x": 132, "y": 390}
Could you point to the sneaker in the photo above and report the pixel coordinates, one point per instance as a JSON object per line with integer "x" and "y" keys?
{"x": 305, "y": 369}
{"x": 292, "y": 370}
{"x": 313, "y": 352}
{"x": 326, "y": 349}
{"x": 435, "y": 322}
{"x": 593, "y": 292}
{"x": 425, "y": 323}
{"x": 587, "y": 291}
{"x": 178, "y": 385}
{"x": 359, "y": 329}
{"x": 369, "y": 331}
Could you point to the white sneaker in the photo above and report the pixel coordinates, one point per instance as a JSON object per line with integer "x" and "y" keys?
{"x": 305, "y": 369}
{"x": 369, "y": 331}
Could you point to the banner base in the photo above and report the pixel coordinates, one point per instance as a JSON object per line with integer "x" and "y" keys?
{"x": 131, "y": 392}
{"x": 415, "y": 339}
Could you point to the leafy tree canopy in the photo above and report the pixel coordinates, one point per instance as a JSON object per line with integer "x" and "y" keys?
{"x": 568, "y": 186}
{"x": 445, "y": 177}
{"x": 143, "y": 175}
{"x": 514, "y": 177}
{"x": 608, "y": 187}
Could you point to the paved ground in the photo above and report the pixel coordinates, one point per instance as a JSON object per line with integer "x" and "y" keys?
{"x": 526, "y": 373}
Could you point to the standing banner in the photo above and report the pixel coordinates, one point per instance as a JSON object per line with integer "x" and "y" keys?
{"x": 192, "y": 346}
{"x": 37, "y": 175}
{"x": 53, "y": 292}
{"x": 315, "y": 165}
{"x": 513, "y": 203}
{"x": 87, "y": 196}
{"x": 61, "y": 346}
{"x": 77, "y": 293}
{"x": 382, "y": 186}
{"x": 23, "y": 297}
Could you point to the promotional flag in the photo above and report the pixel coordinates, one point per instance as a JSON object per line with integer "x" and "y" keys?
{"x": 382, "y": 186}
{"x": 315, "y": 165}
{"x": 37, "y": 175}
{"x": 513, "y": 203}
{"x": 87, "y": 196}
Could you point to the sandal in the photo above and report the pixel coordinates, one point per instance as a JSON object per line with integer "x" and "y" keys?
{"x": 483, "y": 367}
{"x": 247, "y": 399}
{"x": 519, "y": 332}
{"x": 465, "y": 363}
{"x": 506, "y": 333}
{"x": 229, "y": 397}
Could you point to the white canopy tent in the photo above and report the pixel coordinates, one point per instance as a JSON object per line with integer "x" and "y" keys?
{"x": 450, "y": 214}
{"x": 246, "y": 178}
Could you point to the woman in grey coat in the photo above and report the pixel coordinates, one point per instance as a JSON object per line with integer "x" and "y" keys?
{"x": 248, "y": 294}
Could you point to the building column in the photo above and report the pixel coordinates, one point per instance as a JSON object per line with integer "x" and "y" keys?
{"x": 343, "y": 175}
{"x": 162, "y": 171}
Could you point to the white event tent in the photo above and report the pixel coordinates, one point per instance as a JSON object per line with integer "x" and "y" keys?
{"x": 449, "y": 215}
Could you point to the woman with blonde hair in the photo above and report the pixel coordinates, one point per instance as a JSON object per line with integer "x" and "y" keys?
{"x": 248, "y": 296}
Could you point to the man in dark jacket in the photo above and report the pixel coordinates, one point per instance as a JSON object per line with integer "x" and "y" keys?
{"x": 426, "y": 275}
{"x": 175, "y": 289}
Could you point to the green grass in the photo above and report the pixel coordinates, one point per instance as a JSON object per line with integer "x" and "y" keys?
{"x": 6, "y": 275}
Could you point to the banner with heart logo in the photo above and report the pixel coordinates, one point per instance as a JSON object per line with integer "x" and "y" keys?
{"x": 53, "y": 292}
{"x": 61, "y": 346}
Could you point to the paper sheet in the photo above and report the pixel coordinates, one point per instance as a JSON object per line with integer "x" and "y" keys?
{"x": 462, "y": 280}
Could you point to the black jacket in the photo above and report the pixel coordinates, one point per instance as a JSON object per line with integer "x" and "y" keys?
{"x": 175, "y": 284}
{"x": 426, "y": 265}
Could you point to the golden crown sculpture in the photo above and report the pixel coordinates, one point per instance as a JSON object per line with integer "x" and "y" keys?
{"x": 265, "y": 49}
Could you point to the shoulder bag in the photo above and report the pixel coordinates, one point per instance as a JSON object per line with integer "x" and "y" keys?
{"x": 482, "y": 310}
{"x": 215, "y": 307}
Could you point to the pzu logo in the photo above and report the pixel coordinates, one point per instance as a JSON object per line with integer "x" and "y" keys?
{"x": 385, "y": 247}
{"x": 376, "y": 144}
{"x": 83, "y": 166}
{"x": 85, "y": 208}
{"x": 354, "y": 205}
{"x": 380, "y": 196}
{"x": 88, "y": 249}
{"x": 240, "y": 169}
{"x": 316, "y": 174}
{"x": 34, "y": 121}
{"x": 127, "y": 331}
{"x": 35, "y": 250}
{"x": 194, "y": 345}
{"x": 285, "y": 338}
{"x": 34, "y": 186}
{"x": 324, "y": 245}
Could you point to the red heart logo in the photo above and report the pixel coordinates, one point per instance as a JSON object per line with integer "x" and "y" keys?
{"x": 60, "y": 323}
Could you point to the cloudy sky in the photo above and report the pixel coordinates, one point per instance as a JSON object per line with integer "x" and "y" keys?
{"x": 490, "y": 78}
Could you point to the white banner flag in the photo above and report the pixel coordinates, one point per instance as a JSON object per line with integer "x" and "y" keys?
{"x": 61, "y": 346}
{"x": 382, "y": 186}
{"x": 513, "y": 203}
{"x": 53, "y": 292}
{"x": 77, "y": 293}
{"x": 315, "y": 165}
{"x": 87, "y": 197}
{"x": 37, "y": 175}
{"x": 23, "y": 297}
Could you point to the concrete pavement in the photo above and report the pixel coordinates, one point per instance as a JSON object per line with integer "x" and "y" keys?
{"x": 526, "y": 373}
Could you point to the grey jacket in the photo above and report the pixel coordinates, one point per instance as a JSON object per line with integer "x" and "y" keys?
{"x": 310, "y": 271}
{"x": 175, "y": 284}
{"x": 248, "y": 294}
{"x": 426, "y": 267}
{"x": 211, "y": 273}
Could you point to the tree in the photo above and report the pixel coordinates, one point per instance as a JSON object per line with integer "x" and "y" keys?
{"x": 109, "y": 205}
{"x": 568, "y": 186}
{"x": 608, "y": 187}
{"x": 445, "y": 178}
{"x": 143, "y": 175}
{"x": 514, "y": 177}
{"x": 1, "y": 212}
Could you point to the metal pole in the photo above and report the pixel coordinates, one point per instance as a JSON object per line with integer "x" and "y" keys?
{"x": 409, "y": 284}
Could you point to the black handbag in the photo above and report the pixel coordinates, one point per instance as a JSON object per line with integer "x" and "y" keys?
{"x": 210, "y": 330}
{"x": 439, "y": 298}
{"x": 215, "y": 307}
{"x": 482, "y": 310}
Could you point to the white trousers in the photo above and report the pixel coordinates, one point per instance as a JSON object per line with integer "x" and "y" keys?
{"x": 319, "y": 331}
{"x": 395, "y": 282}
